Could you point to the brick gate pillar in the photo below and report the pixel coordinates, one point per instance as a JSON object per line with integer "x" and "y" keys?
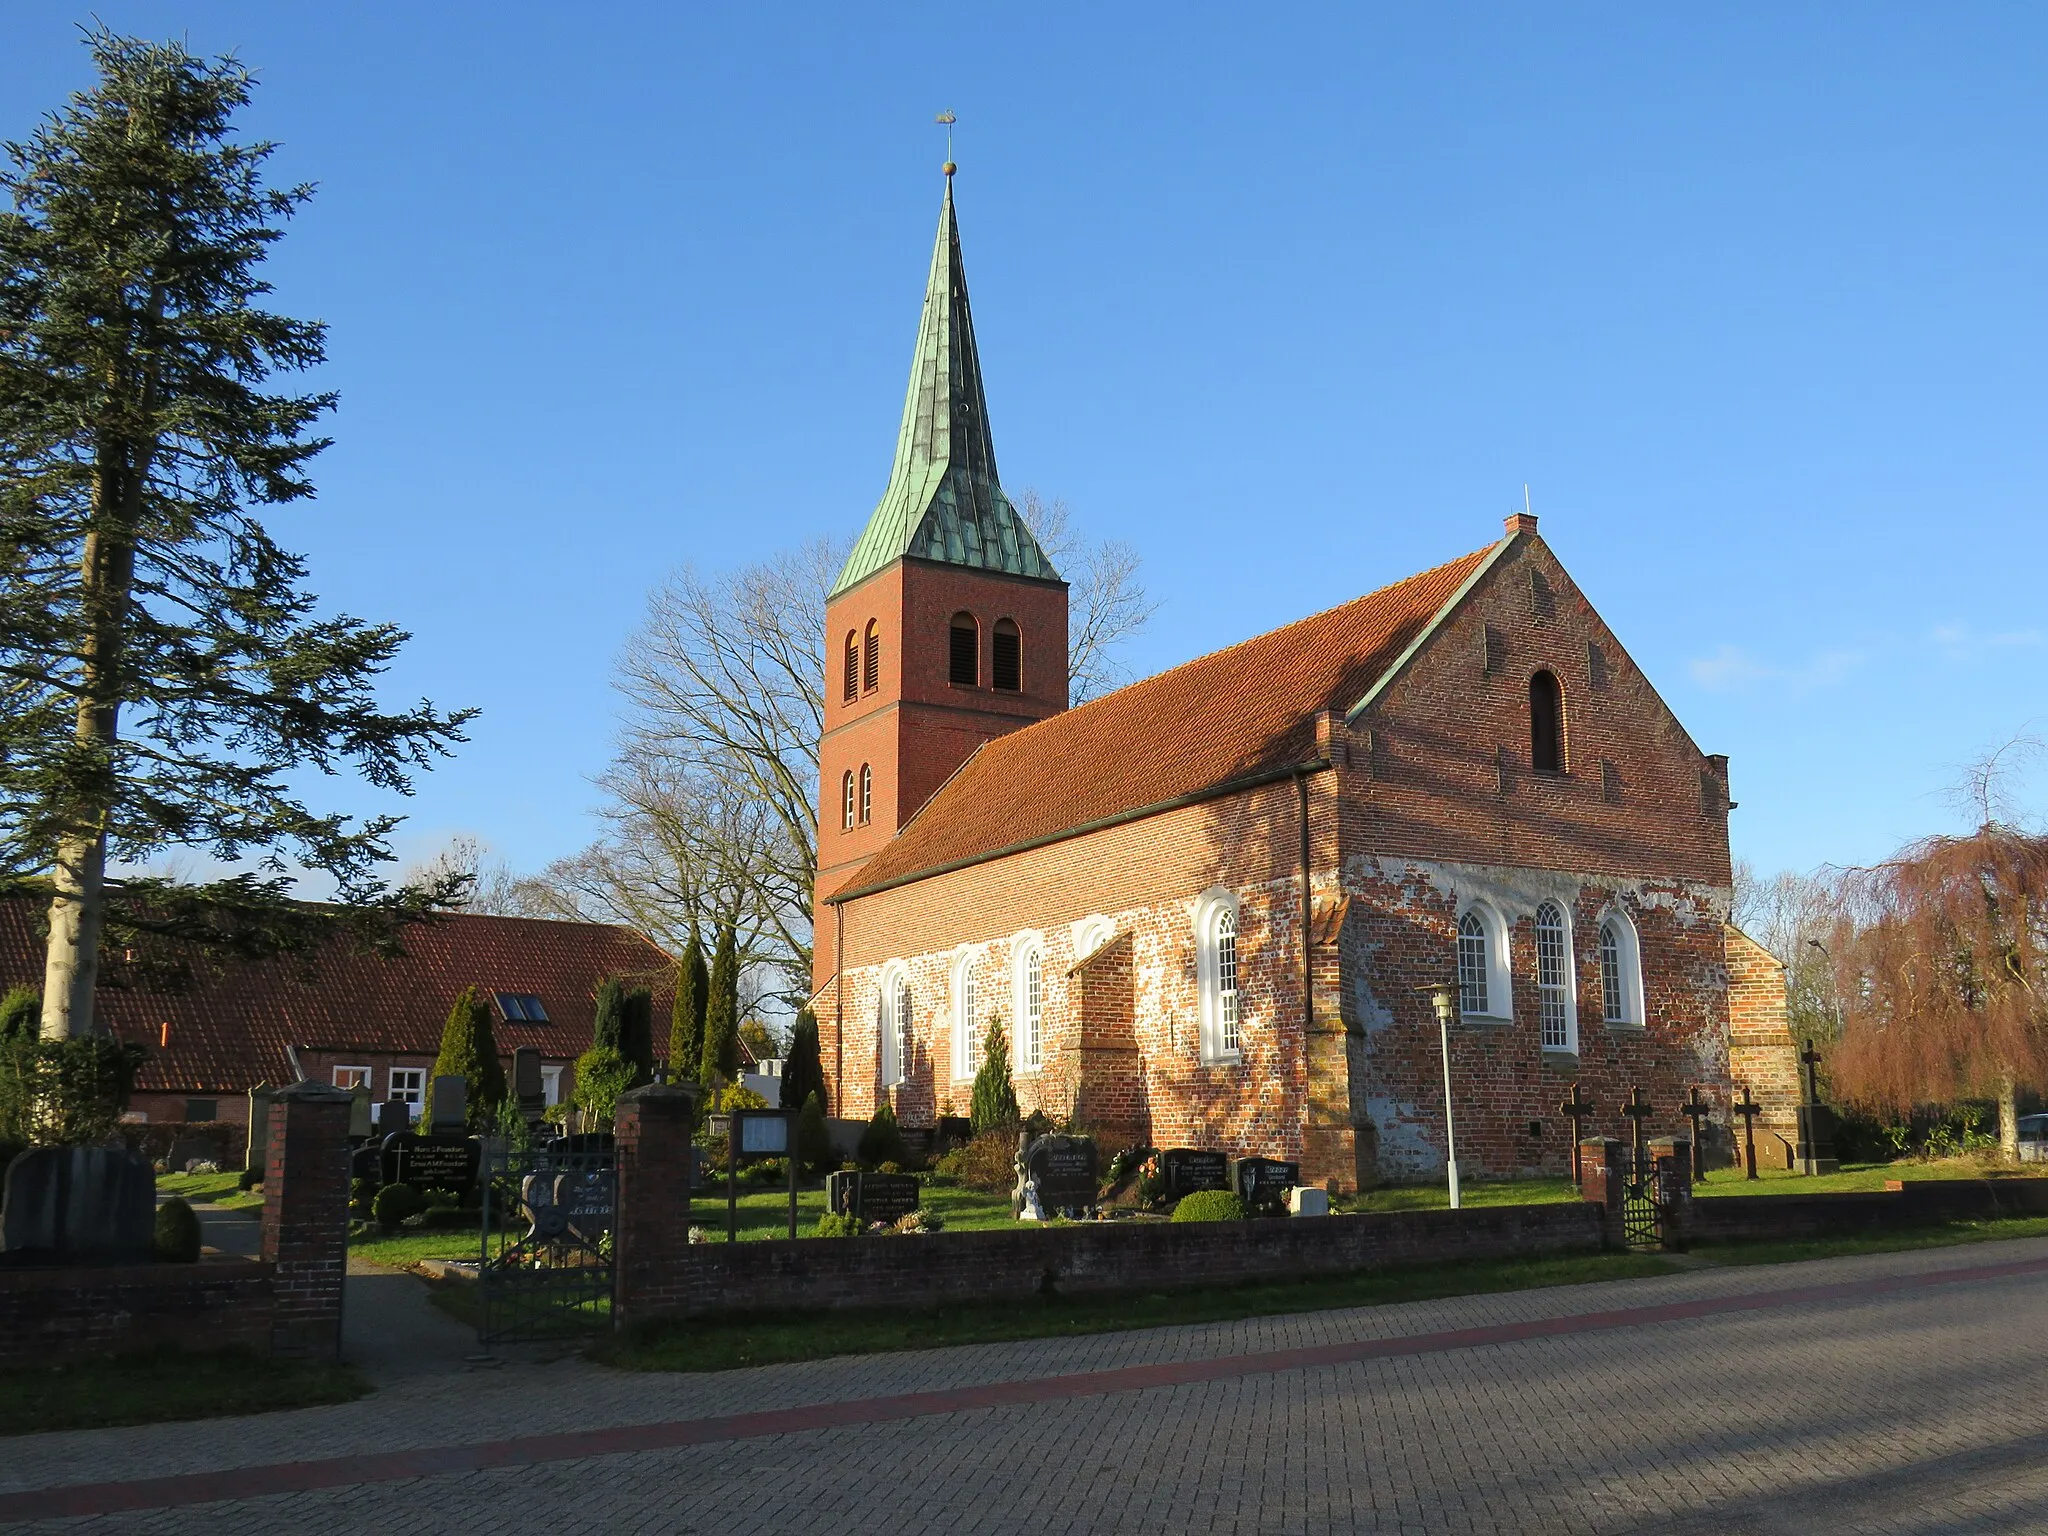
{"x": 305, "y": 1218}
{"x": 1603, "y": 1178}
{"x": 651, "y": 1215}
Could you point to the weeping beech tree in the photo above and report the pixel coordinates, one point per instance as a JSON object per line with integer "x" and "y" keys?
{"x": 1942, "y": 956}
{"x": 163, "y": 676}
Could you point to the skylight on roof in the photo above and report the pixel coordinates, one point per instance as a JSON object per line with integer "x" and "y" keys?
{"x": 521, "y": 1008}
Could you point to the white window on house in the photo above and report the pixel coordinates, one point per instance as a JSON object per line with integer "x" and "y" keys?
{"x": 1485, "y": 987}
{"x": 966, "y": 1020}
{"x": 1219, "y": 999}
{"x": 550, "y": 1085}
{"x": 892, "y": 1023}
{"x": 1554, "y": 988}
{"x": 409, "y": 1087}
{"x": 352, "y": 1078}
{"x": 1027, "y": 1001}
{"x": 1621, "y": 972}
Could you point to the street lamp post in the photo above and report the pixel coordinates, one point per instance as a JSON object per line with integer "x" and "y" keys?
{"x": 1443, "y": 996}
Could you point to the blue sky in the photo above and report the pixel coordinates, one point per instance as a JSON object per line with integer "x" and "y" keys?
{"x": 1295, "y": 301}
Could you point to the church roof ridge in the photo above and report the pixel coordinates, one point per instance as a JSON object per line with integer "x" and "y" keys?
{"x": 1231, "y": 714}
{"x": 944, "y": 501}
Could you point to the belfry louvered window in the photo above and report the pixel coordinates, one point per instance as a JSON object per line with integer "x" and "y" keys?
{"x": 963, "y": 656}
{"x": 1006, "y": 651}
{"x": 871, "y": 659}
{"x": 1553, "y": 977}
{"x": 852, "y": 666}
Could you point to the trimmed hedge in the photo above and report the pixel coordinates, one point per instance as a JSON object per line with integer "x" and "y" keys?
{"x": 1209, "y": 1205}
{"x": 177, "y": 1232}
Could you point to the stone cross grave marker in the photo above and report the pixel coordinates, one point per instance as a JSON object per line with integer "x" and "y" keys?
{"x": 1638, "y": 1110}
{"x": 1749, "y": 1109}
{"x": 1187, "y": 1170}
{"x": 1577, "y": 1109}
{"x": 1262, "y": 1183}
{"x": 1062, "y": 1171}
{"x": 1696, "y": 1109}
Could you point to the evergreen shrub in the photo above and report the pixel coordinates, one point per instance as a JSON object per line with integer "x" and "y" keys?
{"x": 1209, "y": 1205}
{"x": 394, "y": 1204}
{"x": 177, "y": 1232}
{"x": 814, "y": 1139}
{"x": 882, "y": 1140}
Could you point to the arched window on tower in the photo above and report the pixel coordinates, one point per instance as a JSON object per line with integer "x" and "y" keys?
{"x": 867, "y": 793}
{"x": 963, "y": 658}
{"x": 1546, "y": 723}
{"x": 871, "y": 659}
{"x": 1007, "y": 652}
{"x": 852, "y": 666}
{"x": 846, "y": 796}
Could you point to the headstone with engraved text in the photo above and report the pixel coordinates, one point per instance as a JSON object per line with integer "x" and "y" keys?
{"x": 432, "y": 1162}
{"x": 1065, "y": 1172}
{"x": 1187, "y": 1170}
{"x": 1262, "y": 1184}
{"x": 873, "y": 1197}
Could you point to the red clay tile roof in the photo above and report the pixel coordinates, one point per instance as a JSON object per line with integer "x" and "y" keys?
{"x": 230, "y": 1031}
{"x": 1223, "y": 717}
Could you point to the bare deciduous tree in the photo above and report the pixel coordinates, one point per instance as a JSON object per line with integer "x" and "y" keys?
{"x": 1793, "y": 916}
{"x": 1107, "y": 603}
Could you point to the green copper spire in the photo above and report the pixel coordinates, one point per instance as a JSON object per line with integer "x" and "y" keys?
{"x": 943, "y": 501}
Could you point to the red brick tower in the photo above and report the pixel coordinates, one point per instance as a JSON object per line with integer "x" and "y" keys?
{"x": 948, "y": 626}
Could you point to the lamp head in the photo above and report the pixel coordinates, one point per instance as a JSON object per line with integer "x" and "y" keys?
{"x": 1443, "y": 997}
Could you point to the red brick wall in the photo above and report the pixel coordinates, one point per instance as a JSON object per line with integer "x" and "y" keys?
{"x": 49, "y": 1316}
{"x": 305, "y": 1218}
{"x": 1761, "y": 1050}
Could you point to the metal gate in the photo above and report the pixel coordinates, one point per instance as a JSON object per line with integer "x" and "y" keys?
{"x": 546, "y": 1268}
{"x": 1641, "y": 1219}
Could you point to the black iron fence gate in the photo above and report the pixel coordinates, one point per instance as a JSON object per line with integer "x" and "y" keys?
{"x": 546, "y": 1268}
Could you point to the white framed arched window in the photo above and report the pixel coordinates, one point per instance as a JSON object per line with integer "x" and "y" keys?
{"x": 846, "y": 794}
{"x": 1027, "y": 1002}
{"x": 1556, "y": 991}
{"x": 1218, "y": 977}
{"x": 892, "y": 1024}
{"x": 966, "y": 1019}
{"x": 1485, "y": 987}
{"x": 1621, "y": 973}
{"x": 867, "y": 792}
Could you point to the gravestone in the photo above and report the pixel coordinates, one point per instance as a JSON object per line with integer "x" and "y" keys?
{"x": 257, "y": 1152}
{"x": 952, "y": 1130}
{"x": 872, "y": 1197}
{"x": 526, "y": 1082}
{"x": 367, "y": 1162}
{"x": 432, "y": 1162}
{"x": 193, "y": 1149}
{"x": 1307, "y": 1200}
{"x": 394, "y": 1117}
{"x": 1817, "y": 1123}
{"x": 361, "y": 1115}
{"x": 78, "y": 1203}
{"x": 1262, "y": 1184}
{"x": 450, "y": 1109}
{"x": 1063, "y": 1172}
{"x": 1187, "y": 1170}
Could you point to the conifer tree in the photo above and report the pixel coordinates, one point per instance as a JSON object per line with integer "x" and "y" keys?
{"x": 168, "y": 680}
{"x": 609, "y": 1013}
{"x": 636, "y": 1033}
{"x": 470, "y": 1051}
{"x": 813, "y": 1138}
{"x": 995, "y": 1097}
{"x": 686, "y": 1019}
{"x": 803, "y": 1069}
{"x": 722, "y": 1012}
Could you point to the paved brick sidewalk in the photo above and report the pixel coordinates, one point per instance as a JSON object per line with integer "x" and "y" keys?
{"x": 1736, "y": 1414}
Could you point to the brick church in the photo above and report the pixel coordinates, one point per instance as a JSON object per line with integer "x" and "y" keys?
{"x": 1205, "y": 909}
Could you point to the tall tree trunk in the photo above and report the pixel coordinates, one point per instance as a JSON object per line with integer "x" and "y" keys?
{"x": 71, "y": 966}
{"x": 2009, "y": 1118}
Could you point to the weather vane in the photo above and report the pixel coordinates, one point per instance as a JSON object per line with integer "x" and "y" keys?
{"x": 948, "y": 119}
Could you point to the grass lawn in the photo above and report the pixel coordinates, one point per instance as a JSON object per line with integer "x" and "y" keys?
{"x": 210, "y": 1188}
{"x": 1435, "y": 1197}
{"x": 729, "y": 1343}
{"x": 169, "y": 1384}
{"x": 1857, "y": 1176}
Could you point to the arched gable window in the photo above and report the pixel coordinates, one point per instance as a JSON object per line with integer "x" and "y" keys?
{"x": 1621, "y": 972}
{"x": 1027, "y": 986}
{"x": 852, "y": 666}
{"x": 963, "y": 654}
{"x": 1555, "y": 991}
{"x": 871, "y": 659}
{"x": 1090, "y": 934}
{"x": 846, "y": 795}
{"x": 966, "y": 1020}
{"x": 1007, "y": 653}
{"x": 1485, "y": 987}
{"x": 1217, "y": 975}
{"x": 892, "y": 1023}
{"x": 1546, "y": 723}
{"x": 867, "y": 793}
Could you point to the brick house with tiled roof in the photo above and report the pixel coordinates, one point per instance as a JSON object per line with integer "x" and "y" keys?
{"x": 341, "y": 1017}
{"x": 1203, "y": 906}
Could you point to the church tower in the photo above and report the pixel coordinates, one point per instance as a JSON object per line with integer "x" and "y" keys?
{"x": 948, "y": 625}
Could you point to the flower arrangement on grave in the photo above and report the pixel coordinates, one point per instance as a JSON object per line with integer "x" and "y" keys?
{"x": 1151, "y": 1181}
{"x": 919, "y": 1220}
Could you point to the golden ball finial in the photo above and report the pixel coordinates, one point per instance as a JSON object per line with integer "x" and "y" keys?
{"x": 949, "y": 167}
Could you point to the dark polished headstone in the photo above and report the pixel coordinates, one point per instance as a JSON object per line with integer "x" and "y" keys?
{"x": 59, "y": 1204}
{"x": 1066, "y": 1172}
{"x": 1187, "y": 1170}
{"x": 432, "y": 1162}
{"x": 1815, "y": 1151}
{"x": 1262, "y": 1184}
{"x": 394, "y": 1118}
{"x": 872, "y": 1197}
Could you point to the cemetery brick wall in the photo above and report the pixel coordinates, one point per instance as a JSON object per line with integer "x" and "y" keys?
{"x": 1745, "y": 1218}
{"x": 1761, "y": 1050}
{"x": 50, "y": 1316}
{"x": 305, "y": 1218}
{"x": 1095, "y": 1256}
{"x": 651, "y": 1213}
